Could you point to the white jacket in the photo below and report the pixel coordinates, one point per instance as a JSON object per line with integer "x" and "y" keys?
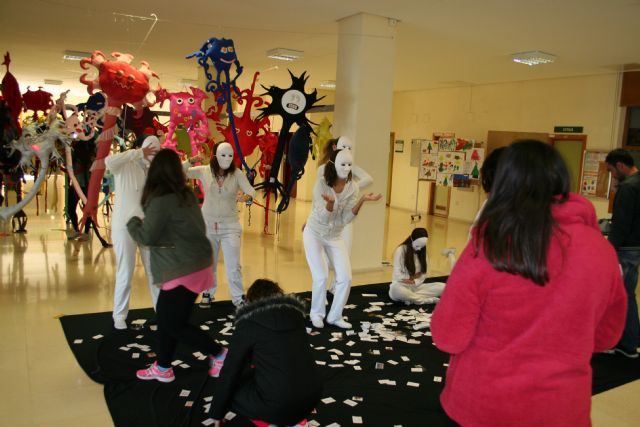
{"x": 327, "y": 224}
{"x": 130, "y": 173}
{"x": 401, "y": 273}
{"x": 220, "y": 202}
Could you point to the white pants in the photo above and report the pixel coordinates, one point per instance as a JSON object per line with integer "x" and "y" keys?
{"x": 125, "y": 249}
{"x": 317, "y": 250}
{"x": 227, "y": 237}
{"x": 347, "y": 236}
{"x": 415, "y": 294}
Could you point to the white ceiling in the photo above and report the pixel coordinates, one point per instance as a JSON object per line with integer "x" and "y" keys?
{"x": 440, "y": 43}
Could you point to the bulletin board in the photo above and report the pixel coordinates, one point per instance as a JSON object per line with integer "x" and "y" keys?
{"x": 450, "y": 161}
{"x": 595, "y": 180}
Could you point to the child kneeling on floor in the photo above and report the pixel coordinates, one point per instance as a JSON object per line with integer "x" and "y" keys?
{"x": 269, "y": 374}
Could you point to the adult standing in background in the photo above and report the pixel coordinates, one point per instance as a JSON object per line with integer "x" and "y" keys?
{"x": 624, "y": 235}
{"x": 534, "y": 294}
{"x": 129, "y": 170}
{"x": 221, "y": 182}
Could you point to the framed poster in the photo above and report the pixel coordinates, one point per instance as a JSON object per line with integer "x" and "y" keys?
{"x": 595, "y": 180}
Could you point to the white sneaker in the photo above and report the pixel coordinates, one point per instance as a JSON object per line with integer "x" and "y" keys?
{"x": 119, "y": 324}
{"x": 448, "y": 251}
{"x": 317, "y": 322}
{"x": 340, "y": 323}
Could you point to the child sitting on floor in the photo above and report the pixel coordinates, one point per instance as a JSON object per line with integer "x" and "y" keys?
{"x": 269, "y": 374}
{"x": 410, "y": 271}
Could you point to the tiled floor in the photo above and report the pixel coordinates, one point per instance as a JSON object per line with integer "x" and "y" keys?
{"x": 42, "y": 275}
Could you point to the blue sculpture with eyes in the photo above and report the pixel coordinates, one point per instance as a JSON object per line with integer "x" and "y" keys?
{"x": 222, "y": 54}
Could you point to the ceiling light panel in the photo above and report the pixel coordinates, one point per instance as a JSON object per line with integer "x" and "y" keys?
{"x": 533, "y": 58}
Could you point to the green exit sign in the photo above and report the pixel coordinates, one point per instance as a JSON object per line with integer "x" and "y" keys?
{"x": 568, "y": 129}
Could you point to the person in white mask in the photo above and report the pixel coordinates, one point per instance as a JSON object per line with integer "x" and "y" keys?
{"x": 221, "y": 182}
{"x": 360, "y": 177}
{"x": 335, "y": 204}
{"x": 410, "y": 271}
{"x": 129, "y": 170}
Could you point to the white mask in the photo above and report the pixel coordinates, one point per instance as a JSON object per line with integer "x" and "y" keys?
{"x": 344, "y": 143}
{"x": 150, "y": 141}
{"x": 343, "y": 163}
{"x": 419, "y": 243}
{"x": 224, "y": 155}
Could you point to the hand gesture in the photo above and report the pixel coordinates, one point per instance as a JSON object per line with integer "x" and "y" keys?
{"x": 149, "y": 151}
{"x": 371, "y": 197}
{"x": 196, "y": 159}
{"x": 328, "y": 198}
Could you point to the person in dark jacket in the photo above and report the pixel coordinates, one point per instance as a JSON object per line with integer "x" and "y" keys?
{"x": 181, "y": 259}
{"x": 269, "y": 373}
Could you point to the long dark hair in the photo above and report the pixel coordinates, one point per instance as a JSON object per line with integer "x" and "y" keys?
{"x": 488, "y": 169}
{"x": 409, "y": 262}
{"x": 166, "y": 176}
{"x": 330, "y": 174}
{"x": 216, "y": 170}
{"x": 329, "y": 148}
{"x": 516, "y": 225}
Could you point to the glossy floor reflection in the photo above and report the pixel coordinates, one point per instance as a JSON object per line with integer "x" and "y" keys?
{"x": 43, "y": 275}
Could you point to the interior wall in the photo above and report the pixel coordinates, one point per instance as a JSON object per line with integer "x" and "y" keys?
{"x": 471, "y": 111}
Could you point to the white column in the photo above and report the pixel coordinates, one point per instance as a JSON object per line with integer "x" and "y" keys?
{"x": 364, "y": 92}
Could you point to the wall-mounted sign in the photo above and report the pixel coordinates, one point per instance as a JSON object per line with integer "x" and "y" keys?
{"x": 568, "y": 129}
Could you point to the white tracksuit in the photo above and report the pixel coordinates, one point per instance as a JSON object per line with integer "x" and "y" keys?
{"x": 220, "y": 214}
{"x": 417, "y": 293}
{"x": 362, "y": 179}
{"x": 322, "y": 239}
{"x": 129, "y": 174}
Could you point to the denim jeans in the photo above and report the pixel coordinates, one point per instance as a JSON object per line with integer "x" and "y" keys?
{"x": 630, "y": 260}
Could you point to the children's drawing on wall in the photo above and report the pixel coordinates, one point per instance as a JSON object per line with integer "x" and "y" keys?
{"x": 447, "y": 144}
{"x": 460, "y": 180}
{"x": 429, "y": 167}
{"x": 444, "y": 179}
{"x": 451, "y": 162}
{"x": 475, "y": 158}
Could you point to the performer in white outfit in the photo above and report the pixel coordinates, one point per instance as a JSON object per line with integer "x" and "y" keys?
{"x": 221, "y": 182}
{"x": 129, "y": 169}
{"x": 361, "y": 178}
{"x": 410, "y": 271}
{"x": 335, "y": 204}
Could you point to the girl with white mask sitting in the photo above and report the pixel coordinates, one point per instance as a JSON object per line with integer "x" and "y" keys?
{"x": 221, "y": 182}
{"x": 335, "y": 204}
{"x": 410, "y": 271}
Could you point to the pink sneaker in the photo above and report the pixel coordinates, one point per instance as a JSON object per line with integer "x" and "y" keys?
{"x": 153, "y": 373}
{"x": 216, "y": 362}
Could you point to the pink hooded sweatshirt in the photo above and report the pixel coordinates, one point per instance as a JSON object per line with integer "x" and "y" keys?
{"x": 520, "y": 352}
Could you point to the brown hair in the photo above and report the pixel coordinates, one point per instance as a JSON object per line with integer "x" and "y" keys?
{"x": 263, "y": 288}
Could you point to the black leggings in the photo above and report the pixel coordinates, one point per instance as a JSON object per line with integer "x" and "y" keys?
{"x": 173, "y": 310}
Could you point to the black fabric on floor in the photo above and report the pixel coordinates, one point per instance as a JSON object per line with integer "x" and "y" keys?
{"x": 133, "y": 402}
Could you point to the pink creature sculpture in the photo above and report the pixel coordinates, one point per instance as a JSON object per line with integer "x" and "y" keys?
{"x": 248, "y": 130}
{"x": 186, "y": 109}
{"x": 37, "y": 100}
{"x": 123, "y": 84}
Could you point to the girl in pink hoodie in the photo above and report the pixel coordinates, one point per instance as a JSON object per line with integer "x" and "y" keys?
{"x": 535, "y": 292}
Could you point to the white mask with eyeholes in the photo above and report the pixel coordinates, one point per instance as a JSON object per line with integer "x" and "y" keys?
{"x": 224, "y": 155}
{"x": 344, "y": 143}
{"x": 419, "y": 243}
{"x": 343, "y": 163}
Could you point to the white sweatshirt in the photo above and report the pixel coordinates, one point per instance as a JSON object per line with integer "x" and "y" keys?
{"x": 362, "y": 178}
{"x": 400, "y": 272}
{"x": 327, "y": 224}
{"x": 130, "y": 174}
{"x": 220, "y": 201}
